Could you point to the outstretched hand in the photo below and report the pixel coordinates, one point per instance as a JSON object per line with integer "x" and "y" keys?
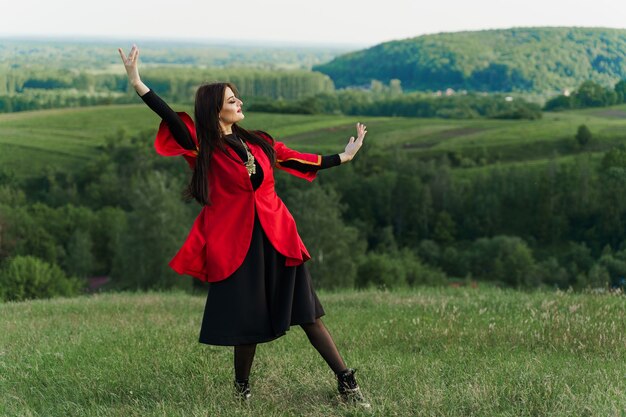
{"x": 130, "y": 63}
{"x": 354, "y": 145}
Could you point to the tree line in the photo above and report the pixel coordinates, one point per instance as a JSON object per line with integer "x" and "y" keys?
{"x": 102, "y": 55}
{"x": 391, "y": 101}
{"x": 589, "y": 94}
{"x": 387, "y": 219}
{"x": 41, "y": 88}
{"x": 286, "y": 91}
{"x": 302, "y": 92}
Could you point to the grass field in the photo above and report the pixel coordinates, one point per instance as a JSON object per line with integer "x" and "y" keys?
{"x": 420, "y": 352}
{"x": 67, "y": 138}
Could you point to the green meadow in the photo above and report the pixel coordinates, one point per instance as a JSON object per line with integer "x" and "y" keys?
{"x": 421, "y": 352}
{"x": 66, "y": 138}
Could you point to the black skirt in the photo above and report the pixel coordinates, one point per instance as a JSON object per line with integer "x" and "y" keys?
{"x": 260, "y": 300}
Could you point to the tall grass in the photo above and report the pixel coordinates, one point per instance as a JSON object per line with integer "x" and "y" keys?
{"x": 423, "y": 352}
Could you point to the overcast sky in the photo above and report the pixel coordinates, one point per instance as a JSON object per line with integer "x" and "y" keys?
{"x": 307, "y": 22}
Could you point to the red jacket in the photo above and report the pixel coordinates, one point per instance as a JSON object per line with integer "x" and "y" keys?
{"x": 220, "y": 236}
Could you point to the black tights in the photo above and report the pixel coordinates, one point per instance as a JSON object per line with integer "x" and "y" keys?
{"x": 319, "y": 337}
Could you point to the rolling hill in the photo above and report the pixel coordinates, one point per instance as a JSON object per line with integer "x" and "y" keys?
{"x": 546, "y": 60}
{"x": 67, "y": 138}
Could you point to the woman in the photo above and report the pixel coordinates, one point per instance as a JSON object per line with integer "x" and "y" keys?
{"x": 244, "y": 241}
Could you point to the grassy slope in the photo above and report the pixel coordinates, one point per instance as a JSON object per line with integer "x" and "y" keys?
{"x": 66, "y": 138}
{"x": 427, "y": 352}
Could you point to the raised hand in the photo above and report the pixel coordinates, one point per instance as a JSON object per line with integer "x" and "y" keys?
{"x": 354, "y": 145}
{"x": 130, "y": 63}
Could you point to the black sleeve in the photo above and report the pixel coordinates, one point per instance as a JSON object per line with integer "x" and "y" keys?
{"x": 328, "y": 161}
{"x": 174, "y": 122}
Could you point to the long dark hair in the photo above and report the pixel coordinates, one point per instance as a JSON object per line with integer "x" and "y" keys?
{"x": 209, "y": 102}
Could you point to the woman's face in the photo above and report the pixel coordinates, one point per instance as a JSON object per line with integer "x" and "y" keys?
{"x": 231, "y": 108}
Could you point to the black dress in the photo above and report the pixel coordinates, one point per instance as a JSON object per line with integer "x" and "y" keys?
{"x": 263, "y": 297}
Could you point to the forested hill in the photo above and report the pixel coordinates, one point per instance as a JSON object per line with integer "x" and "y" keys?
{"x": 521, "y": 59}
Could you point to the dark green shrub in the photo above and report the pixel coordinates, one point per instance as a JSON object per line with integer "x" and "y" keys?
{"x": 396, "y": 269}
{"x": 27, "y": 277}
{"x": 418, "y": 273}
{"x": 583, "y": 135}
{"x": 382, "y": 271}
{"x": 506, "y": 259}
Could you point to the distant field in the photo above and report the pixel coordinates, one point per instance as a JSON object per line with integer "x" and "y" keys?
{"x": 63, "y": 138}
{"x": 419, "y": 352}
{"x": 66, "y": 138}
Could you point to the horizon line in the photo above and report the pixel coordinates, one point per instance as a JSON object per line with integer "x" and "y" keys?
{"x": 79, "y": 38}
{"x": 271, "y": 43}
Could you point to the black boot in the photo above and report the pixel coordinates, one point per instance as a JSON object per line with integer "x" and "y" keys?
{"x": 242, "y": 389}
{"x": 349, "y": 389}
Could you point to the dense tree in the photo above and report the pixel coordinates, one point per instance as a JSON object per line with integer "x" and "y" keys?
{"x": 156, "y": 228}
{"x": 591, "y": 94}
{"x": 336, "y": 249}
{"x": 503, "y": 259}
{"x": 373, "y": 103}
{"x": 519, "y": 59}
{"x": 398, "y": 219}
{"x": 620, "y": 91}
{"x": 588, "y": 94}
{"x": 79, "y": 260}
